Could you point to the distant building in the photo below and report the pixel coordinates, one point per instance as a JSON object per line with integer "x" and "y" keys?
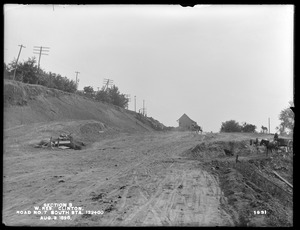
{"x": 185, "y": 123}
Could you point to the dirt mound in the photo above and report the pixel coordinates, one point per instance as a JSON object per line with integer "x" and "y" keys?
{"x": 218, "y": 149}
{"x": 27, "y": 104}
{"x": 93, "y": 128}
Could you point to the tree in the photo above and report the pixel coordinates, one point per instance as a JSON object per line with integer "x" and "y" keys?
{"x": 26, "y": 71}
{"x": 70, "y": 86}
{"x": 102, "y": 95}
{"x": 88, "y": 91}
{"x": 7, "y": 72}
{"x": 230, "y": 126}
{"x": 286, "y": 117}
{"x": 112, "y": 96}
{"x": 116, "y": 97}
{"x": 248, "y": 128}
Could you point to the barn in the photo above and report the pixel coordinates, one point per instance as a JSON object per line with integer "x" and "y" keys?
{"x": 185, "y": 123}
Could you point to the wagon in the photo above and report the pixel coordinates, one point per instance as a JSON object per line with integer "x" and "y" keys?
{"x": 285, "y": 142}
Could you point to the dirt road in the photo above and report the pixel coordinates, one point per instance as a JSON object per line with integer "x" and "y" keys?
{"x": 135, "y": 179}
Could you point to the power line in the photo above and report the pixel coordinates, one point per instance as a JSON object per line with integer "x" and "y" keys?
{"x": 21, "y": 46}
{"x": 40, "y": 50}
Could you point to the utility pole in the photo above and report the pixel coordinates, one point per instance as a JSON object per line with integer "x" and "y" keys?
{"x": 144, "y": 107}
{"x": 40, "y": 50}
{"x": 269, "y": 125}
{"x": 77, "y": 80}
{"x": 134, "y": 103}
{"x": 21, "y": 46}
{"x": 107, "y": 82}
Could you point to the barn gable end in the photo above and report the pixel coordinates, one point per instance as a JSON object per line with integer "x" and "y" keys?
{"x": 185, "y": 123}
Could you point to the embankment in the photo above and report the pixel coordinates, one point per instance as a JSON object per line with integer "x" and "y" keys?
{"x": 26, "y": 104}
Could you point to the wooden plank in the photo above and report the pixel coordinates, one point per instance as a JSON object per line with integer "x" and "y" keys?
{"x": 63, "y": 147}
{"x": 284, "y": 180}
{"x": 63, "y": 142}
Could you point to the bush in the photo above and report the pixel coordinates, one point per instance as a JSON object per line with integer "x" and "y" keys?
{"x": 112, "y": 96}
{"x": 248, "y": 128}
{"x": 28, "y": 72}
{"x": 230, "y": 126}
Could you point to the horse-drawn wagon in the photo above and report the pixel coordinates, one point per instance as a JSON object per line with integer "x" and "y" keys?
{"x": 285, "y": 142}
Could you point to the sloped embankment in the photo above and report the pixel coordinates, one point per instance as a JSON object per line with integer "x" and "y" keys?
{"x": 255, "y": 196}
{"x": 26, "y": 104}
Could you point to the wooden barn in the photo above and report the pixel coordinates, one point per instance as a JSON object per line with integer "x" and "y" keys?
{"x": 185, "y": 123}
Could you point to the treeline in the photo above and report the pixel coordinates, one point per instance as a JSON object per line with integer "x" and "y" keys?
{"x": 286, "y": 126}
{"x": 28, "y": 72}
{"x": 233, "y": 126}
{"x": 108, "y": 95}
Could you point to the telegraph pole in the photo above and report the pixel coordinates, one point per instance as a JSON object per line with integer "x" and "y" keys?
{"x": 76, "y": 79}
{"x": 134, "y": 103}
{"x": 40, "y": 50}
{"x": 107, "y": 82}
{"x": 269, "y": 124}
{"x": 21, "y": 46}
{"x": 144, "y": 107}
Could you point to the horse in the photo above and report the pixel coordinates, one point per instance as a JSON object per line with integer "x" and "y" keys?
{"x": 270, "y": 145}
{"x": 196, "y": 128}
{"x": 263, "y": 128}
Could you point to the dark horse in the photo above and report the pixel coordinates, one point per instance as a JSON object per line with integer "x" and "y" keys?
{"x": 196, "y": 128}
{"x": 270, "y": 145}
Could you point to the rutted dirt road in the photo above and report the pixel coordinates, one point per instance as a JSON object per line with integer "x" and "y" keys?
{"x": 136, "y": 179}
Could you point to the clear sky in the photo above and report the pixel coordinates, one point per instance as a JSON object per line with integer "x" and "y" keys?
{"x": 213, "y": 62}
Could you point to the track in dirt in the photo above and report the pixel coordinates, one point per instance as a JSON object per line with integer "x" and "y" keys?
{"x": 136, "y": 179}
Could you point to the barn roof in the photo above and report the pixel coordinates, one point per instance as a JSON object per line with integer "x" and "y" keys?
{"x": 185, "y": 116}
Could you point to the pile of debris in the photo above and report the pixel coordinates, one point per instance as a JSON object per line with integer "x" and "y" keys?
{"x": 64, "y": 141}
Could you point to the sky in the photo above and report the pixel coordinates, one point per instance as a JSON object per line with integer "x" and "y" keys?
{"x": 212, "y": 62}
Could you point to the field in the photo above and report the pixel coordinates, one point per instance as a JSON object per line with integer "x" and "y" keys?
{"x": 132, "y": 175}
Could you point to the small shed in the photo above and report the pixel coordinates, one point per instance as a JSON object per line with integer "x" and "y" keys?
{"x": 185, "y": 123}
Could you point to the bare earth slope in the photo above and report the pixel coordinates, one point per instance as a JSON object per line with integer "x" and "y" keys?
{"x": 25, "y": 104}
